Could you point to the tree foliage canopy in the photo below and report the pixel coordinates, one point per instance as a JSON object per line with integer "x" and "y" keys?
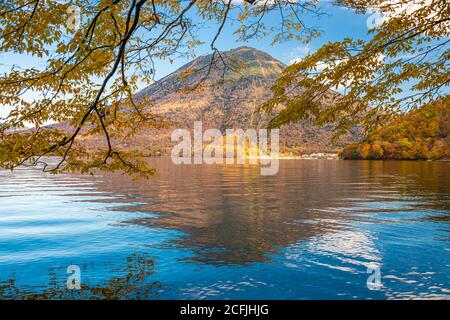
{"x": 87, "y": 76}
{"x": 403, "y": 65}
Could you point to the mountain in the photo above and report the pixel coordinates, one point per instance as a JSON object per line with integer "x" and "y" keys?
{"x": 225, "y": 96}
{"x": 420, "y": 134}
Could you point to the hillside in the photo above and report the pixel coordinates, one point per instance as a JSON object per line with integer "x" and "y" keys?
{"x": 422, "y": 134}
{"x": 228, "y": 98}
{"x": 223, "y": 98}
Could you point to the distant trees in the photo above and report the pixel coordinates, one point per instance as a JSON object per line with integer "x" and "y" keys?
{"x": 376, "y": 151}
{"x": 439, "y": 150}
{"x": 423, "y": 134}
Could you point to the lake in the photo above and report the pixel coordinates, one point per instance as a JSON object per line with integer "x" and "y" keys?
{"x": 319, "y": 229}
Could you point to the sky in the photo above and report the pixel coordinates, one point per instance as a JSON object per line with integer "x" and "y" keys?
{"x": 337, "y": 24}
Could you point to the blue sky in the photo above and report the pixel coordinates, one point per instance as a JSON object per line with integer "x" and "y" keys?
{"x": 336, "y": 25}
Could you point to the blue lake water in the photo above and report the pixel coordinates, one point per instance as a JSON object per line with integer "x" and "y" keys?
{"x": 316, "y": 230}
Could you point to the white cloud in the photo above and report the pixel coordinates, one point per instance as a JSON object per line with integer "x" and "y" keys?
{"x": 321, "y": 66}
{"x": 299, "y": 53}
{"x": 389, "y": 9}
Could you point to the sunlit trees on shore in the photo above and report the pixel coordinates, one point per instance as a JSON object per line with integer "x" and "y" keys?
{"x": 419, "y": 135}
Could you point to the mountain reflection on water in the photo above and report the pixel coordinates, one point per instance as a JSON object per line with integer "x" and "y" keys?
{"x": 208, "y": 231}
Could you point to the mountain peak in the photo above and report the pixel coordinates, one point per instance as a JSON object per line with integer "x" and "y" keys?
{"x": 243, "y": 56}
{"x": 248, "y": 53}
{"x": 247, "y": 48}
{"x": 243, "y": 48}
{"x": 226, "y": 99}
{"x": 236, "y": 65}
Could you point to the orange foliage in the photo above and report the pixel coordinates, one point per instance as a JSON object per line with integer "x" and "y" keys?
{"x": 376, "y": 151}
{"x": 422, "y": 134}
